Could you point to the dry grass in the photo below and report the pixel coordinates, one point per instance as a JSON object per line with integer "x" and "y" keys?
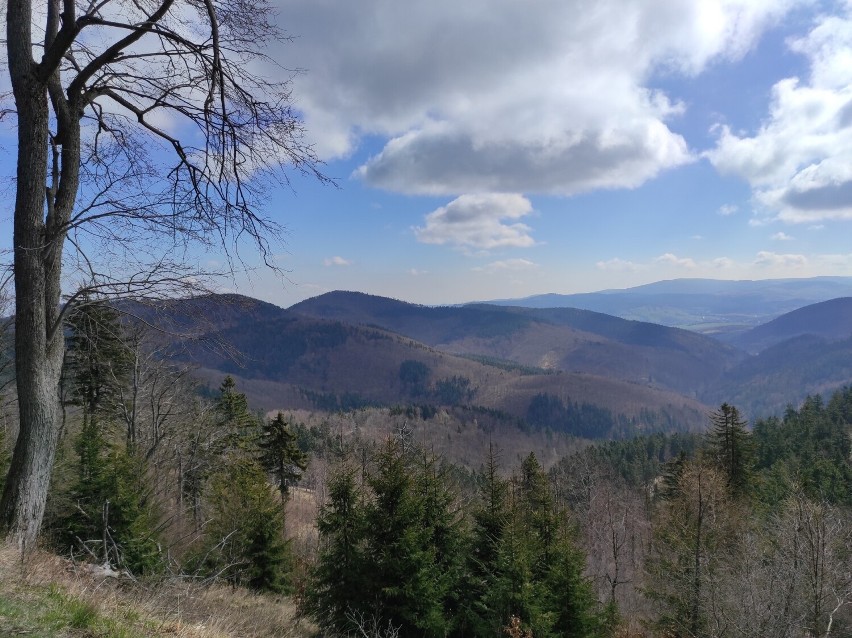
{"x": 46, "y": 595}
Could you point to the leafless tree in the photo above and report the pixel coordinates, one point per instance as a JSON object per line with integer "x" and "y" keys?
{"x": 142, "y": 129}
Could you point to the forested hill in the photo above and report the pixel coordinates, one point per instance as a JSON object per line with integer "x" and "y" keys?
{"x": 830, "y": 320}
{"x": 810, "y": 351}
{"x": 287, "y": 360}
{"x": 558, "y": 339}
{"x": 346, "y": 349}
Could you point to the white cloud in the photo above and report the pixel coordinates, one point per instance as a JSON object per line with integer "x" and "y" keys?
{"x": 617, "y": 265}
{"x": 781, "y": 236}
{"x": 674, "y": 260}
{"x": 414, "y": 272}
{"x": 775, "y": 260}
{"x": 799, "y": 163}
{"x": 478, "y": 221}
{"x": 507, "y": 264}
{"x": 336, "y": 261}
{"x": 478, "y": 96}
{"x": 722, "y": 263}
{"x": 728, "y": 209}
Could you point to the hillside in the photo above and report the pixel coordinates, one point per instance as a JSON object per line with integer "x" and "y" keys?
{"x": 589, "y": 373}
{"x": 284, "y": 360}
{"x": 830, "y": 320}
{"x": 557, "y": 339}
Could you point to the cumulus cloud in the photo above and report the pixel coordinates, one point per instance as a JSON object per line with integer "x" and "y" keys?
{"x": 336, "y": 261}
{"x": 478, "y": 96}
{"x": 728, "y": 209}
{"x": 674, "y": 260}
{"x": 507, "y": 264}
{"x": 775, "y": 260}
{"x": 781, "y": 236}
{"x": 483, "y": 221}
{"x": 799, "y": 163}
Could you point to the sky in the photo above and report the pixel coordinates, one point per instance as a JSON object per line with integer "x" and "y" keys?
{"x": 491, "y": 149}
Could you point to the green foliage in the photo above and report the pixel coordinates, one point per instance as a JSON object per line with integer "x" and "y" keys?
{"x": 235, "y": 418}
{"x": 414, "y": 376}
{"x": 809, "y": 450}
{"x": 244, "y": 538}
{"x": 281, "y": 455}
{"x": 112, "y": 515}
{"x": 523, "y": 561}
{"x": 638, "y": 460}
{"x": 331, "y": 402}
{"x": 729, "y": 445}
{"x": 453, "y": 390}
{"x": 338, "y": 583}
{"x": 98, "y": 361}
{"x": 580, "y": 419}
{"x": 391, "y": 549}
{"x": 403, "y": 573}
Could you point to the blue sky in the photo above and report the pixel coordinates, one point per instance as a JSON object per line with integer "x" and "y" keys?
{"x": 493, "y": 148}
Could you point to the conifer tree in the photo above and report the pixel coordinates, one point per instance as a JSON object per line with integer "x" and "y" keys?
{"x": 731, "y": 447}
{"x": 403, "y": 574}
{"x": 338, "y": 584}
{"x": 112, "y": 513}
{"x": 239, "y": 425}
{"x": 244, "y": 539}
{"x": 113, "y": 517}
{"x": 478, "y": 615}
{"x": 280, "y": 455}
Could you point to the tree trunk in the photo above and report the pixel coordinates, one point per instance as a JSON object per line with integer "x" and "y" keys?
{"x": 38, "y": 355}
{"x": 38, "y": 244}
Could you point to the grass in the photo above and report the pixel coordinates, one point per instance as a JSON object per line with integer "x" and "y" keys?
{"x": 50, "y": 597}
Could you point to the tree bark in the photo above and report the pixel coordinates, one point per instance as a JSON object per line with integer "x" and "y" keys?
{"x": 38, "y": 239}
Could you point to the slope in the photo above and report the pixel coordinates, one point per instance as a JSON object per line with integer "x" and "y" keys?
{"x": 557, "y": 339}
{"x": 831, "y": 320}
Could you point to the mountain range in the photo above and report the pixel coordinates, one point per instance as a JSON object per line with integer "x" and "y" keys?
{"x": 574, "y": 370}
{"x": 706, "y": 305}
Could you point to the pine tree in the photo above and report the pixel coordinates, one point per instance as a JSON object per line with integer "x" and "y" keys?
{"x": 280, "y": 455}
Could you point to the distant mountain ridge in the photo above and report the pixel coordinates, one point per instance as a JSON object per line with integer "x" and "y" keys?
{"x": 704, "y": 305}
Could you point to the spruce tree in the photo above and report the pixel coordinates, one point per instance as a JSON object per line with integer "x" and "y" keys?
{"x": 98, "y": 360}
{"x": 244, "y": 538}
{"x": 338, "y": 584}
{"x": 478, "y": 614}
{"x": 731, "y": 447}
{"x": 280, "y": 455}
{"x": 113, "y": 517}
{"x": 403, "y": 575}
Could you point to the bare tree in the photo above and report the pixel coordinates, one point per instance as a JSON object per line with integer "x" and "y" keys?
{"x": 136, "y": 119}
